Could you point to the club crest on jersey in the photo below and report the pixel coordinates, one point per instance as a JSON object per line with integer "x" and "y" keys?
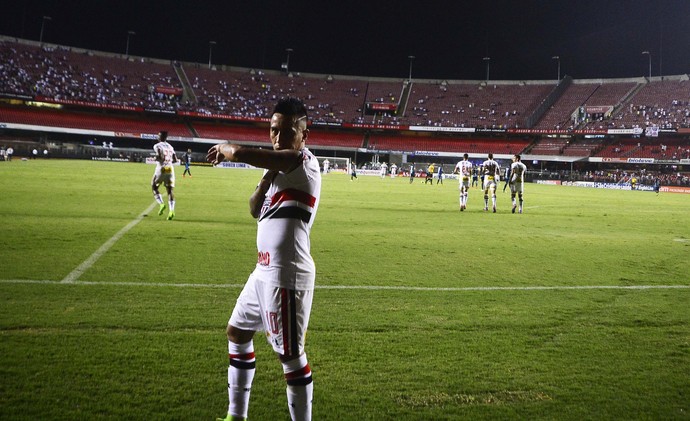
{"x": 265, "y": 206}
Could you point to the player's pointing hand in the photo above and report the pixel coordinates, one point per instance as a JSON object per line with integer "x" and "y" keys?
{"x": 221, "y": 152}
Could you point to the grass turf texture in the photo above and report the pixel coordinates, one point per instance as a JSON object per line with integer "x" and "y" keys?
{"x": 140, "y": 334}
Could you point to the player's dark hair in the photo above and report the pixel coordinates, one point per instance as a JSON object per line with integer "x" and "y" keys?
{"x": 517, "y": 157}
{"x": 163, "y": 135}
{"x": 465, "y": 156}
{"x": 491, "y": 156}
{"x": 290, "y": 106}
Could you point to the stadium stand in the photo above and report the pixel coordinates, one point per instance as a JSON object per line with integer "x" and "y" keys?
{"x": 335, "y": 139}
{"x": 252, "y": 93}
{"x": 647, "y": 148}
{"x": 559, "y": 115}
{"x": 63, "y": 75}
{"x": 91, "y": 121}
{"x": 236, "y": 133}
{"x": 439, "y": 144}
{"x": 665, "y": 104}
{"x": 548, "y": 146}
{"x": 108, "y": 92}
{"x": 473, "y": 104}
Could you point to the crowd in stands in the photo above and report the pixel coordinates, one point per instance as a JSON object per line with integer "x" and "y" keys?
{"x": 62, "y": 74}
{"x": 672, "y": 178}
{"x": 663, "y": 104}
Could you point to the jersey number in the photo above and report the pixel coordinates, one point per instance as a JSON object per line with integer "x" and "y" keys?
{"x": 272, "y": 322}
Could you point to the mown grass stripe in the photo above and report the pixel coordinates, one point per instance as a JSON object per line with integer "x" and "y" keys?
{"x": 359, "y": 287}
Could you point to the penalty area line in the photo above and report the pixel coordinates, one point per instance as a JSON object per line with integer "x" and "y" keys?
{"x": 86, "y": 264}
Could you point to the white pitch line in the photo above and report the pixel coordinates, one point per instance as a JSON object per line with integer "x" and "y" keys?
{"x": 358, "y": 287}
{"x": 86, "y": 264}
{"x": 525, "y": 288}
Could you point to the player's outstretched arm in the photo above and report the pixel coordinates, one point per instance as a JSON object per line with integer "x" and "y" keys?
{"x": 283, "y": 160}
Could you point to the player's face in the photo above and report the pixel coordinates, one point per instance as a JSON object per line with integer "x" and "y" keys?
{"x": 288, "y": 132}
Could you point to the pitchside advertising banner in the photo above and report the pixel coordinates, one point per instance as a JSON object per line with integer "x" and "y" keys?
{"x": 675, "y": 189}
{"x": 615, "y": 186}
{"x": 240, "y": 165}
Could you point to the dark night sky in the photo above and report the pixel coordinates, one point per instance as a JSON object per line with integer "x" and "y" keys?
{"x": 594, "y": 39}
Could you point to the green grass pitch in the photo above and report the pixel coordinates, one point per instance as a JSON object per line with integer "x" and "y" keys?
{"x": 576, "y": 309}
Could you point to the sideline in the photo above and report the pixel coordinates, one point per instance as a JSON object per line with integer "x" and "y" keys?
{"x": 86, "y": 264}
{"x": 359, "y": 287}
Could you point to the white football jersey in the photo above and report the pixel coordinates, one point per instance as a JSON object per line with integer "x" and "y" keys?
{"x": 517, "y": 172}
{"x": 491, "y": 168}
{"x": 167, "y": 152}
{"x": 465, "y": 170}
{"x": 285, "y": 221}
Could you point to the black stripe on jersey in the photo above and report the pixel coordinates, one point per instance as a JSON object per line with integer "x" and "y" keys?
{"x": 289, "y": 212}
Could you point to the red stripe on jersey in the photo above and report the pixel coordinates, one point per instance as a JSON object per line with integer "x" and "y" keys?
{"x": 293, "y": 194}
{"x": 285, "y": 316}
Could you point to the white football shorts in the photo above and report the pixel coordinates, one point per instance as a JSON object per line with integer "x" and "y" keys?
{"x": 165, "y": 176}
{"x": 517, "y": 187}
{"x": 282, "y": 313}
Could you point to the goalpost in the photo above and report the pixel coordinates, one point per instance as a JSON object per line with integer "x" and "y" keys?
{"x": 335, "y": 164}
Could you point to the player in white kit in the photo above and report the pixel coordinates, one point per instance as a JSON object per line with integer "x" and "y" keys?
{"x": 383, "y": 170}
{"x": 517, "y": 180}
{"x": 164, "y": 173}
{"x": 277, "y": 297}
{"x": 464, "y": 171}
{"x": 492, "y": 175}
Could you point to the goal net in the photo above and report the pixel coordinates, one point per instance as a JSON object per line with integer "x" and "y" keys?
{"x": 333, "y": 164}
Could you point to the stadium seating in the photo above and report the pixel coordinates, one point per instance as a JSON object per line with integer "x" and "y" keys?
{"x": 647, "y": 148}
{"x": 64, "y": 75}
{"x": 438, "y": 144}
{"x": 473, "y": 104}
{"x": 665, "y": 104}
{"x": 109, "y": 92}
{"x": 90, "y": 121}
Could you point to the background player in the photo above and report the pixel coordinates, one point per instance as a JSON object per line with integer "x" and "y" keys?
{"x": 492, "y": 175}
{"x": 517, "y": 180}
{"x": 383, "y": 171}
{"x": 277, "y": 297}
{"x": 187, "y": 159}
{"x": 353, "y": 171}
{"x": 164, "y": 173}
{"x": 464, "y": 171}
